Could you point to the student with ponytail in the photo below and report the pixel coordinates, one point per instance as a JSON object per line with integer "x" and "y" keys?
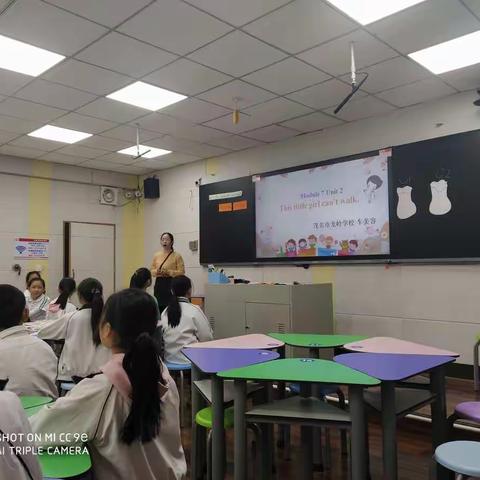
{"x": 182, "y": 322}
{"x": 129, "y": 412}
{"x": 61, "y": 305}
{"x": 82, "y": 354}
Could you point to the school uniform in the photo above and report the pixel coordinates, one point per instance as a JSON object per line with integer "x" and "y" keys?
{"x": 27, "y": 295}
{"x": 14, "y": 421}
{"x": 193, "y": 328}
{"x": 80, "y": 357}
{"x": 28, "y": 362}
{"x": 37, "y": 309}
{"x": 98, "y": 407}
{"x": 54, "y": 312}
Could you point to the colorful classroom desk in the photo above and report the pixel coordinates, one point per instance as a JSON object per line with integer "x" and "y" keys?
{"x": 254, "y": 340}
{"x": 211, "y": 361}
{"x": 303, "y": 370}
{"x": 64, "y": 465}
{"x": 391, "y": 368}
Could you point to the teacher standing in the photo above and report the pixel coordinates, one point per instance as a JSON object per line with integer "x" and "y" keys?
{"x": 166, "y": 264}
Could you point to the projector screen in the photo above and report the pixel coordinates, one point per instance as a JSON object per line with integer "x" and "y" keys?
{"x": 333, "y": 210}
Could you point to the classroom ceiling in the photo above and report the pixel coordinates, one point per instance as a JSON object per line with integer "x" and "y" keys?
{"x": 287, "y": 62}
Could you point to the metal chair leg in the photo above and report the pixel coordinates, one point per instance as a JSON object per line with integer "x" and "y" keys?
{"x": 209, "y": 456}
{"x": 182, "y": 400}
{"x": 343, "y": 433}
{"x": 476, "y": 379}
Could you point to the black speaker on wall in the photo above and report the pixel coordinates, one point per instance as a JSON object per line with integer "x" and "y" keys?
{"x": 151, "y": 187}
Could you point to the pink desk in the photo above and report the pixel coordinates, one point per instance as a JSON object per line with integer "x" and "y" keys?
{"x": 254, "y": 340}
{"x": 395, "y": 345}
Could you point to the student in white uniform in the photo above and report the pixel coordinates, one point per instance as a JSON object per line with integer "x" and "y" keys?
{"x": 14, "y": 427}
{"x": 142, "y": 279}
{"x": 82, "y": 354}
{"x": 129, "y": 412}
{"x": 61, "y": 305}
{"x": 27, "y": 362}
{"x": 182, "y": 322}
{"x": 30, "y": 275}
{"x": 38, "y": 303}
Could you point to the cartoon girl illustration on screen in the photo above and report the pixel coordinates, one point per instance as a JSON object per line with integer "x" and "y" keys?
{"x": 291, "y": 248}
{"x": 374, "y": 182}
{"x": 302, "y": 247}
{"x": 352, "y": 247}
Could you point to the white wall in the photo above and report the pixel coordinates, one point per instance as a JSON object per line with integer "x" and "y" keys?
{"x": 438, "y": 305}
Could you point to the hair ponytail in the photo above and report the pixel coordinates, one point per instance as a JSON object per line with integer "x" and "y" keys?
{"x": 180, "y": 286}
{"x": 91, "y": 290}
{"x": 66, "y": 287}
{"x": 141, "y": 278}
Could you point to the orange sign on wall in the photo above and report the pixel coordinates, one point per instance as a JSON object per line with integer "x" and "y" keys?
{"x": 241, "y": 205}
{"x": 225, "y": 207}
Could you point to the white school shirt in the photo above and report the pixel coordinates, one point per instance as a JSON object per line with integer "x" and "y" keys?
{"x": 95, "y": 407}
{"x": 37, "y": 308}
{"x": 193, "y": 328}
{"x": 14, "y": 421}
{"x": 54, "y": 312}
{"x": 28, "y": 362}
{"x": 80, "y": 356}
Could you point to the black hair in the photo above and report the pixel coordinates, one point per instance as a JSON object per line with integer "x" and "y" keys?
{"x": 132, "y": 315}
{"x": 91, "y": 290}
{"x": 140, "y": 278}
{"x": 66, "y": 288}
{"x": 375, "y": 179}
{"x": 12, "y": 305}
{"x": 30, "y": 274}
{"x": 171, "y": 238}
{"x": 39, "y": 279}
{"x": 180, "y": 286}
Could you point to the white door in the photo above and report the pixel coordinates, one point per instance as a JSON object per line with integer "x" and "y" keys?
{"x": 92, "y": 254}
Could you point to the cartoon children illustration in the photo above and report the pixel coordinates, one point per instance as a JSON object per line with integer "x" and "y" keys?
{"x": 325, "y": 247}
{"x": 352, "y": 247}
{"x": 374, "y": 182}
{"x": 302, "y": 247}
{"x": 311, "y": 251}
{"x": 343, "y": 252}
{"x": 291, "y": 248}
{"x": 329, "y": 241}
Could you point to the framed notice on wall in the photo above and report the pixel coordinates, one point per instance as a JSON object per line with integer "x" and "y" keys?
{"x": 31, "y": 248}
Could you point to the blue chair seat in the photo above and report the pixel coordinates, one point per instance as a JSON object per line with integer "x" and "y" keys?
{"x": 176, "y": 367}
{"x": 460, "y": 457}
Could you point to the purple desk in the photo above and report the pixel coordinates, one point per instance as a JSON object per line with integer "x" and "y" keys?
{"x": 211, "y": 361}
{"x": 391, "y": 368}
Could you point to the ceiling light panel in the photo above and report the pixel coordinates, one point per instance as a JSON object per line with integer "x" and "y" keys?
{"x": 144, "y": 151}
{"x": 57, "y": 134}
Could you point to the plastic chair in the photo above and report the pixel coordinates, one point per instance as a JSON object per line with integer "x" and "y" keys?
{"x": 464, "y": 411}
{"x": 461, "y": 457}
{"x": 179, "y": 368}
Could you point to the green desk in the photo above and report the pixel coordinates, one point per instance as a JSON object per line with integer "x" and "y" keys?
{"x": 33, "y": 410}
{"x": 310, "y": 371}
{"x": 64, "y": 465}
{"x": 34, "y": 401}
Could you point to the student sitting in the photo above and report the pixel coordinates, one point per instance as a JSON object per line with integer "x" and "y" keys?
{"x": 82, "y": 354}
{"x": 61, "y": 306}
{"x": 14, "y": 427}
{"x": 182, "y": 322}
{"x": 38, "y": 303}
{"x": 27, "y": 362}
{"x": 142, "y": 279}
{"x": 30, "y": 275}
{"x": 130, "y": 411}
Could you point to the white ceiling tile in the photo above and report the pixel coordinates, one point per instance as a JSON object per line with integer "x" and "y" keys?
{"x": 194, "y": 110}
{"x": 36, "y": 143}
{"x": 18, "y": 125}
{"x": 48, "y": 27}
{"x": 118, "y": 158}
{"x": 106, "y": 12}
{"x": 82, "y": 123}
{"x": 312, "y": 122}
{"x": 101, "y": 165}
{"x": 87, "y": 77}
{"x": 204, "y": 151}
{"x": 170, "y": 159}
{"x": 7, "y": 136}
{"x": 10, "y": 82}
{"x": 187, "y": 77}
{"x": 301, "y": 25}
{"x": 324, "y": 95}
{"x": 199, "y": 133}
{"x": 181, "y": 158}
{"x": 133, "y": 170}
{"x": 286, "y": 76}
{"x": 125, "y": 55}
{"x": 425, "y": 24}
{"x": 421, "y": 91}
{"x": 169, "y": 142}
{"x": 272, "y": 133}
{"x": 238, "y": 13}
{"x": 237, "y": 54}
{"x": 235, "y": 142}
{"x": 80, "y": 151}
{"x": 105, "y": 143}
{"x": 20, "y": 151}
{"x": 54, "y": 95}
{"x": 247, "y": 94}
{"x": 28, "y": 110}
{"x": 391, "y": 73}
{"x": 129, "y": 134}
{"x": 464, "y": 78}
{"x": 474, "y": 5}
{"x": 175, "y": 26}
{"x": 277, "y": 110}
{"x": 334, "y": 56}
{"x": 246, "y": 122}
{"x": 112, "y": 110}
{"x": 62, "y": 158}
{"x": 364, "y": 107}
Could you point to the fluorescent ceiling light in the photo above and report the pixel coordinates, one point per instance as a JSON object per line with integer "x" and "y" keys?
{"x": 24, "y": 58}
{"x": 144, "y": 151}
{"x": 146, "y": 96}
{"x": 457, "y": 53}
{"x": 57, "y": 134}
{"x": 368, "y": 11}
